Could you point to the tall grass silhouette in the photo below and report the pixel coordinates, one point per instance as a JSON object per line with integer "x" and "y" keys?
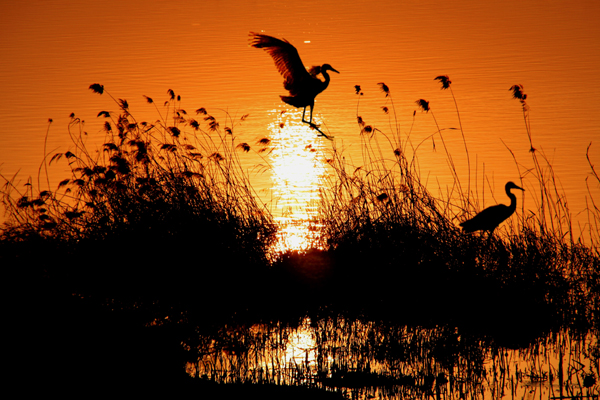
{"x": 162, "y": 219}
{"x": 161, "y": 208}
{"x": 394, "y": 240}
{"x": 166, "y": 206}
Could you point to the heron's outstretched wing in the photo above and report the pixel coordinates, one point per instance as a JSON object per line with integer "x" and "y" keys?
{"x": 287, "y": 60}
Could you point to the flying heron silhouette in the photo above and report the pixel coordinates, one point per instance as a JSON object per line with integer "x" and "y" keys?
{"x": 303, "y": 85}
{"x": 491, "y": 217}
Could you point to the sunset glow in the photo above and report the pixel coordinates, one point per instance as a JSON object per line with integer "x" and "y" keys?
{"x": 225, "y": 199}
{"x": 298, "y": 172}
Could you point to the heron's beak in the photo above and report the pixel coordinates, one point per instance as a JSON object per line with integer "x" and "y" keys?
{"x": 335, "y": 71}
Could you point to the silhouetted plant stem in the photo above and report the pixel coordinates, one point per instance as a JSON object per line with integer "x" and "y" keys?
{"x": 44, "y": 162}
{"x": 424, "y": 105}
{"x": 553, "y": 215}
{"x": 447, "y": 84}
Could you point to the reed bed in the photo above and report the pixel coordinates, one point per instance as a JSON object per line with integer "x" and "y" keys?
{"x": 160, "y": 209}
{"x": 161, "y": 224}
{"x": 399, "y": 246}
{"x": 165, "y": 208}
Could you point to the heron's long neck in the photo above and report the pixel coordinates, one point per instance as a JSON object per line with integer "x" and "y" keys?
{"x": 327, "y": 79}
{"x": 513, "y": 201}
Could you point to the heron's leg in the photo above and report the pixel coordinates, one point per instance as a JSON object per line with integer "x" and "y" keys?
{"x": 314, "y": 126}
{"x": 304, "y": 113}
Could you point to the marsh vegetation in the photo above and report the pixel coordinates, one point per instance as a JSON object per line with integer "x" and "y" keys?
{"x": 157, "y": 234}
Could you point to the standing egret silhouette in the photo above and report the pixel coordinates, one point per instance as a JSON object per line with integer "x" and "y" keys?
{"x": 491, "y": 217}
{"x": 303, "y": 85}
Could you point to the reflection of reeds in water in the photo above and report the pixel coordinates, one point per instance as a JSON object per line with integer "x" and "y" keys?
{"x": 366, "y": 359}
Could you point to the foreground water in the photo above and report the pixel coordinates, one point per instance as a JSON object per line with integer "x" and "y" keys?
{"x": 367, "y": 360}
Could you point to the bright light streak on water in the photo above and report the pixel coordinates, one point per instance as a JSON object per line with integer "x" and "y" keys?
{"x": 298, "y": 172}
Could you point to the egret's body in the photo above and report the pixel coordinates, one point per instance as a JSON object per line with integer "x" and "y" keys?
{"x": 491, "y": 217}
{"x": 302, "y": 85}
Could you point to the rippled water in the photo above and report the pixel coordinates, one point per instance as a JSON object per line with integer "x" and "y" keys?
{"x": 53, "y": 51}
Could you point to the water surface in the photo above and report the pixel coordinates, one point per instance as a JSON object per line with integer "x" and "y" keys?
{"x": 54, "y": 50}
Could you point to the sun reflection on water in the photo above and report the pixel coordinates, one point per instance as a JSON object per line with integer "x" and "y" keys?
{"x": 298, "y": 171}
{"x": 302, "y": 346}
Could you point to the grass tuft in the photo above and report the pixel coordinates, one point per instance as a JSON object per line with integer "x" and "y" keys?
{"x": 162, "y": 210}
{"x": 392, "y": 240}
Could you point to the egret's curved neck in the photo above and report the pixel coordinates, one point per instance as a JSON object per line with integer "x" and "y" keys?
{"x": 326, "y": 76}
{"x": 513, "y": 200}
